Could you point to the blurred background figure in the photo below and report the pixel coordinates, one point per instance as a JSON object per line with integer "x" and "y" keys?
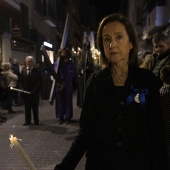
{"x": 16, "y": 71}
{"x": 165, "y": 101}
{"x": 84, "y": 74}
{"x": 64, "y": 87}
{"x": 140, "y": 59}
{"x": 161, "y": 57}
{"x": 147, "y": 62}
{"x": 2, "y": 118}
{"x": 11, "y": 80}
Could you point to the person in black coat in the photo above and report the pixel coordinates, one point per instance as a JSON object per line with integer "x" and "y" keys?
{"x": 30, "y": 80}
{"x": 121, "y": 123}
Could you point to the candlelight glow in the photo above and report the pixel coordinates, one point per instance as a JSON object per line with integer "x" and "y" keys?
{"x": 22, "y": 91}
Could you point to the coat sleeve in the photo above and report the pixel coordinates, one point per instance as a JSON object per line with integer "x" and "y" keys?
{"x": 79, "y": 145}
{"x": 12, "y": 76}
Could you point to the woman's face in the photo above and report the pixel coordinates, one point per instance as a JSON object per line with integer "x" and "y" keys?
{"x": 116, "y": 42}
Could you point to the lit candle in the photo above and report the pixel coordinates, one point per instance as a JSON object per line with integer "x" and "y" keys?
{"x": 12, "y": 88}
{"x": 14, "y": 142}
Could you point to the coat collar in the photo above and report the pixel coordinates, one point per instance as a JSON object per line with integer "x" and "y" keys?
{"x": 135, "y": 77}
{"x": 135, "y": 83}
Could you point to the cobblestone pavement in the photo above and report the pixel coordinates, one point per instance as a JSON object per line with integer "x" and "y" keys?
{"x": 45, "y": 144}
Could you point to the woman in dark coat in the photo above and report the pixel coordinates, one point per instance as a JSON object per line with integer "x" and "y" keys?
{"x": 121, "y": 124}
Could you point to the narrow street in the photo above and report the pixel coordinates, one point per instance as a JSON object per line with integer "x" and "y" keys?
{"x": 45, "y": 144}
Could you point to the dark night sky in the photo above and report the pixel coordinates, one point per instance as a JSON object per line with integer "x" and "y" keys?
{"x": 106, "y": 7}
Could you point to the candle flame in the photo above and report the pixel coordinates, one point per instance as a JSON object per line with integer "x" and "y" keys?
{"x": 11, "y": 138}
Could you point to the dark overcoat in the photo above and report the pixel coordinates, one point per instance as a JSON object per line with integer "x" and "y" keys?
{"x": 120, "y": 132}
{"x": 31, "y": 83}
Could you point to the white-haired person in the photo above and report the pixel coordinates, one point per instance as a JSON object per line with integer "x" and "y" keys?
{"x": 30, "y": 80}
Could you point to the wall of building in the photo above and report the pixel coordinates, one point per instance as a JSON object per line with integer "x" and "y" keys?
{"x": 38, "y": 30}
{"x": 6, "y": 46}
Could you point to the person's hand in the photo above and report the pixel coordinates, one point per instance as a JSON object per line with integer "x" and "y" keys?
{"x": 60, "y": 86}
{"x": 51, "y": 77}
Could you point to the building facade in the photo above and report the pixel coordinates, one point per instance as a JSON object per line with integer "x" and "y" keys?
{"x": 148, "y": 17}
{"x": 25, "y": 25}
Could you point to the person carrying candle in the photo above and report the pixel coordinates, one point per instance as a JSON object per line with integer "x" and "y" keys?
{"x": 10, "y": 80}
{"x": 121, "y": 123}
{"x": 30, "y": 80}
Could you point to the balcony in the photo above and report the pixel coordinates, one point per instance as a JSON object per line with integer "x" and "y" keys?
{"x": 47, "y": 10}
{"x": 159, "y": 17}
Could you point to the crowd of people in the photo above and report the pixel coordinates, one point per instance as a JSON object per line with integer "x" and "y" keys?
{"x": 125, "y": 115}
{"x": 37, "y": 82}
